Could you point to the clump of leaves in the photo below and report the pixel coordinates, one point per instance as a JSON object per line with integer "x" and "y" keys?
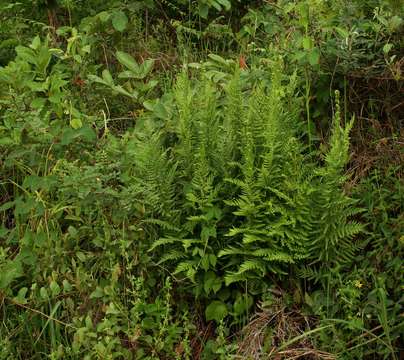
{"x": 244, "y": 202}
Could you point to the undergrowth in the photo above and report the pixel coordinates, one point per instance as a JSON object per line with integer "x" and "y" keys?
{"x": 160, "y": 201}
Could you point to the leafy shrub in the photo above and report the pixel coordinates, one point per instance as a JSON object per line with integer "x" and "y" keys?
{"x": 63, "y": 240}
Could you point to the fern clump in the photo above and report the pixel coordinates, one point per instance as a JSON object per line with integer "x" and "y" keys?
{"x": 232, "y": 193}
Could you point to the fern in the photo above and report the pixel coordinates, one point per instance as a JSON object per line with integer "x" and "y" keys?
{"x": 232, "y": 191}
{"x": 333, "y": 231}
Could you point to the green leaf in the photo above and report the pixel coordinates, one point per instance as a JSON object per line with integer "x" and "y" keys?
{"x": 203, "y": 10}
{"x": 307, "y": 43}
{"x": 6, "y": 141}
{"x": 105, "y": 80}
{"x": 136, "y": 71}
{"x": 119, "y": 21}
{"x": 76, "y": 123}
{"x": 314, "y": 56}
{"x": 308, "y": 300}
{"x": 7, "y": 205}
{"x": 37, "y": 86}
{"x": 205, "y": 263}
{"x": 208, "y": 232}
{"x": 122, "y": 91}
{"x": 213, "y": 260}
{"x": 127, "y": 60}
{"x": 146, "y": 67}
{"x": 67, "y": 286}
{"x": 44, "y": 293}
{"x": 82, "y": 257}
{"x": 26, "y": 54}
{"x": 148, "y": 323}
{"x": 242, "y": 304}
{"x": 112, "y": 309}
{"x": 218, "y": 59}
{"x": 216, "y": 310}
{"x": 20, "y": 298}
{"x": 104, "y": 16}
{"x": 38, "y": 103}
{"x": 342, "y": 32}
{"x": 211, "y": 282}
{"x": 107, "y": 77}
{"x": 158, "y": 108}
{"x": 96, "y": 79}
{"x": 395, "y": 22}
{"x": 225, "y": 3}
{"x": 36, "y": 43}
{"x": 97, "y": 293}
{"x": 387, "y": 47}
{"x": 9, "y": 271}
{"x": 55, "y": 288}
{"x": 69, "y": 135}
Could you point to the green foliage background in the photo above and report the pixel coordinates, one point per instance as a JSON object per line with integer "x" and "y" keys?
{"x": 206, "y": 179}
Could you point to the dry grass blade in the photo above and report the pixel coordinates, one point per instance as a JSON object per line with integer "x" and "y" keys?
{"x": 278, "y": 333}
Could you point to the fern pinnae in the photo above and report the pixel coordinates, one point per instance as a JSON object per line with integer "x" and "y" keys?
{"x": 173, "y": 255}
{"x": 162, "y": 242}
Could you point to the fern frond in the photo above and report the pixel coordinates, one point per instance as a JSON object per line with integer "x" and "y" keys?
{"x": 163, "y": 241}
{"x": 161, "y": 223}
{"x": 173, "y": 255}
{"x": 232, "y": 251}
{"x": 271, "y": 255}
{"x": 248, "y": 269}
{"x": 252, "y": 265}
{"x": 187, "y": 267}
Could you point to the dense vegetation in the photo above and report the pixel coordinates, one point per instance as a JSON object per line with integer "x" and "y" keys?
{"x": 202, "y": 179}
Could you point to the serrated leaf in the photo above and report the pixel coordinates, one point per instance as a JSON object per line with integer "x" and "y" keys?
{"x": 205, "y": 263}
